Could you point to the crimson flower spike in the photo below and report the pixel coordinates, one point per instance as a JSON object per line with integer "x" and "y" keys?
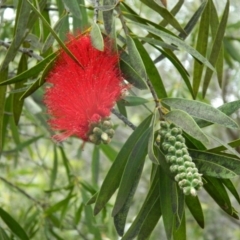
{"x": 79, "y": 99}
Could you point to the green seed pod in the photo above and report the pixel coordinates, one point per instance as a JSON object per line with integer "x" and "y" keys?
{"x": 97, "y": 131}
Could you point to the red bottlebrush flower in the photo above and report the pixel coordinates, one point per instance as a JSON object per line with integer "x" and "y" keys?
{"x": 80, "y": 98}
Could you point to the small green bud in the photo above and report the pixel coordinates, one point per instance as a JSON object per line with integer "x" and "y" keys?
{"x": 107, "y": 124}
{"x": 175, "y": 131}
{"x": 187, "y": 158}
{"x": 165, "y": 146}
{"x": 181, "y": 169}
{"x": 97, "y": 131}
{"x": 180, "y": 138}
{"x": 173, "y": 168}
{"x": 179, "y": 153}
{"x": 171, "y": 150}
{"x": 110, "y": 132}
{"x": 179, "y": 161}
{"x": 172, "y": 160}
{"x": 104, "y": 137}
{"x": 171, "y": 140}
{"x": 178, "y": 145}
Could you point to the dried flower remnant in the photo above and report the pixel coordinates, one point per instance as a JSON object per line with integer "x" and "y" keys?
{"x": 80, "y": 98}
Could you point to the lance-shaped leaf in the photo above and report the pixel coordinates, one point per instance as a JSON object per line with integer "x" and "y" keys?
{"x": 152, "y": 71}
{"x": 13, "y": 225}
{"x": 113, "y": 178}
{"x": 168, "y": 202}
{"x": 134, "y": 101}
{"x": 73, "y": 7}
{"x": 202, "y": 43}
{"x": 150, "y": 221}
{"x": 195, "y": 208}
{"x": 135, "y": 58}
{"x": 32, "y": 72}
{"x": 149, "y": 203}
{"x": 225, "y": 166}
{"x": 187, "y": 123}
{"x": 201, "y": 110}
{"x": 131, "y": 75}
{"x": 178, "y": 42}
{"x": 130, "y": 178}
{"x": 96, "y": 37}
{"x": 216, "y": 48}
{"x": 217, "y": 191}
{"x": 151, "y": 140}
{"x": 17, "y": 103}
{"x": 165, "y": 14}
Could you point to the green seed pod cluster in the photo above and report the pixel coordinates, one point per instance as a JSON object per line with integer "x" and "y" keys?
{"x": 177, "y": 156}
{"x": 101, "y": 132}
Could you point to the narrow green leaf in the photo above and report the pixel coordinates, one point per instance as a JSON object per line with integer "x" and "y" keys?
{"x": 227, "y": 147}
{"x": 95, "y": 165}
{"x": 3, "y": 76}
{"x": 167, "y": 202}
{"x": 232, "y": 164}
{"x": 213, "y": 169}
{"x": 3, "y": 235}
{"x": 17, "y": 103}
{"x": 96, "y": 37}
{"x": 109, "y": 151}
{"x": 73, "y": 7}
{"x": 152, "y": 71}
{"x": 54, "y": 171}
{"x": 178, "y": 42}
{"x": 201, "y": 110}
{"x": 227, "y": 108}
{"x": 34, "y": 87}
{"x": 78, "y": 214}
{"x": 186, "y": 122}
{"x": 229, "y": 185}
{"x": 202, "y": 43}
{"x": 195, "y": 208}
{"x": 180, "y": 232}
{"x": 151, "y": 139}
{"x": 174, "y": 60}
{"x": 13, "y": 225}
{"x": 158, "y": 42}
{"x": 135, "y": 58}
{"x": 50, "y": 38}
{"x": 217, "y": 191}
{"x": 134, "y": 101}
{"x": 165, "y": 14}
{"x": 114, "y": 175}
{"x": 150, "y": 221}
{"x": 54, "y": 34}
{"x": 151, "y": 199}
{"x": 174, "y": 11}
{"x": 32, "y": 72}
{"x": 66, "y": 164}
{"x": 131, "y": 174}
{"x": 25, "y": 144}
{"x": 21, "y": 29}
{"x": 132, "y": 76}
{"x": 216, "y": 48}
{"x": 59, "y": 205}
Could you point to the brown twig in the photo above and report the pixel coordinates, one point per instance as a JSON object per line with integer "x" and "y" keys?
{"x": 26, "y": 51}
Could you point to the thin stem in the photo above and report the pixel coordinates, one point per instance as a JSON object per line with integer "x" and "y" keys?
{"x": 156, "y": 100}
{"x": 21, "y": 191}
{"x": 124, "y": 25}
{"x": 96, "y": 10}
{"x": 26, "y": 51}
{"x": 124, "y": 119}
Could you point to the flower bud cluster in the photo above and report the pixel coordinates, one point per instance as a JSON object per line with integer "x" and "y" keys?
{"x": 177, "y": 156}
{"x": 101, "y": 132}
